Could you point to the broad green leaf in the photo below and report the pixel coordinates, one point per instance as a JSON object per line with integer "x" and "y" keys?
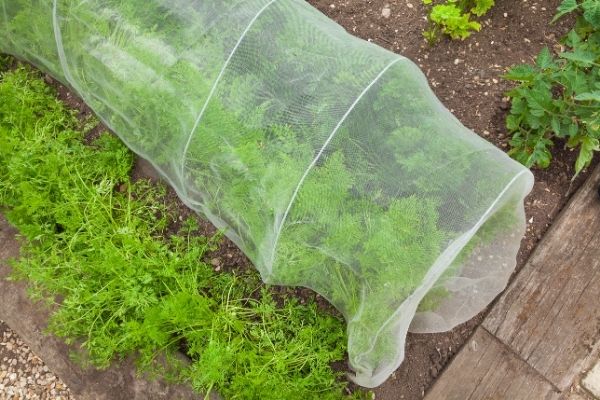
{"x": 573, "y": 82}
{"x": 590, "y": 96}
{"x": 518, "y": 106}
{"x": 519, "y": 154}
{"x": 523, "y": 73}
{"x": 585, "y": 57}
{"x": 592, "y": 123}
{"x": 534, "y": 121}
{"x": 573, "y": 128}
{"x": 573, "y": 141}
{"x": 591, "y": 12}
{"x": 586, "y": 153}
{"x": 512, "y": 122}
{"x": 544, "y": 59}
{"x": 540, "y": 100}
{"x": 555, "y": 124}
{"x": 572, "y": 39}
{"x": 540, "y": 155}
{"x": 565, "y": 7}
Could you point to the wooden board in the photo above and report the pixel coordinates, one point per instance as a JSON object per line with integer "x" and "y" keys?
{"x": 550, "y": 315}
{"x": 487, "y": 370}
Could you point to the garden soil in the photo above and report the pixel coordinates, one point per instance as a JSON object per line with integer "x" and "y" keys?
{"x": 467, "y": 77}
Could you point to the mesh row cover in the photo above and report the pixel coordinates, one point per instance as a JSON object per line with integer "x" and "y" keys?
{"x": 326, "y": 159}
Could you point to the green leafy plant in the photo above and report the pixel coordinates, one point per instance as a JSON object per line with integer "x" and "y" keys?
{"x": 454, "y": 18}
{"x": 127, "y": 285}
{"x": 558, "y": 98}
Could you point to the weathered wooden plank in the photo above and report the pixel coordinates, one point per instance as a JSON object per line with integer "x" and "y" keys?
{"x": 486, "y": 369}
{"x": 550, "y": 315}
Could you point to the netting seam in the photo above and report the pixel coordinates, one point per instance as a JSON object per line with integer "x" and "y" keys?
{"x": 62, "y": 56}
{"x": 214, "y": 88}
{"x": 320, "y": 153}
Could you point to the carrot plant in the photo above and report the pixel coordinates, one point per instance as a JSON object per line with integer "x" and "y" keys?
{"x": 101, "y": 244}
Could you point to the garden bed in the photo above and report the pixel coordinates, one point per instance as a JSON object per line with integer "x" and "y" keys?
{"x": 466, "y": 77}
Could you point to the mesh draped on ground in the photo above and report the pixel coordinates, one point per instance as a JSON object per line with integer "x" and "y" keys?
{"x": 326, "y": 159}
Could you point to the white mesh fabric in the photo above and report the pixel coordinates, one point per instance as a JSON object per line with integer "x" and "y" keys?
{"x": 326, "y": 159}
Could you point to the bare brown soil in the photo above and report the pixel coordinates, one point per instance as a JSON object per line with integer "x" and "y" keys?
{"x": 466, "y": 76}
